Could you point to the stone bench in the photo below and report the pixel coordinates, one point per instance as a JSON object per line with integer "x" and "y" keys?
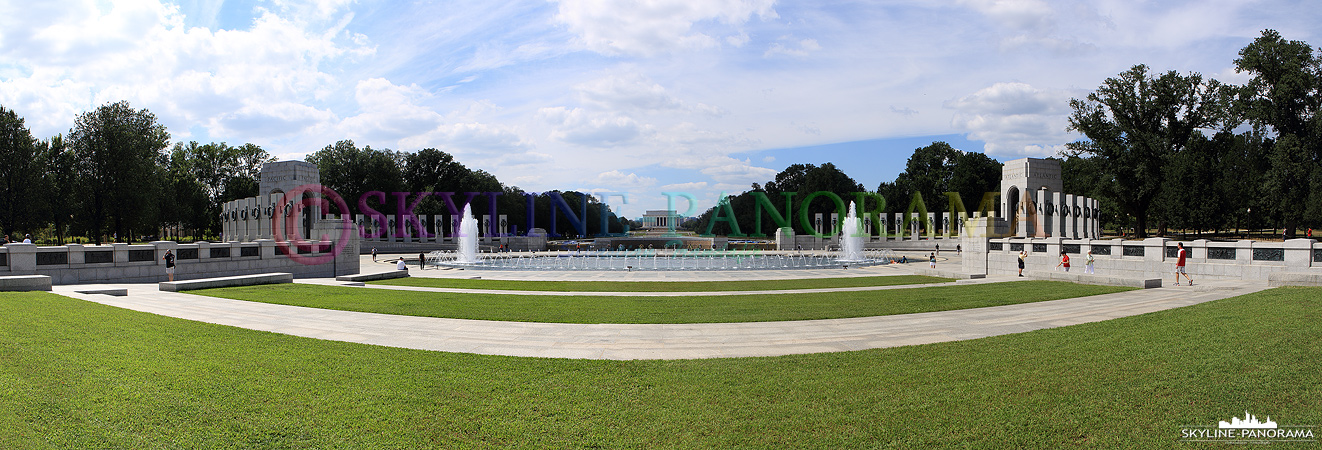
{"x": 1083, "y": 278}
{"x": 1276, "y": 279}
{"x": 361, "y": 277}
{"x": 241, "y": 280}
{"x": 25, "y": 283}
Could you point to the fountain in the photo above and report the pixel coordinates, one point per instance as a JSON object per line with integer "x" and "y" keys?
{"x": 676, "y": 258}
{"x": 851, "y": 238}
{"x": 467, "y": 239}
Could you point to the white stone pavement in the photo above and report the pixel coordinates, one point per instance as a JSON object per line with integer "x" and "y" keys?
{"x": 660, "y": 341}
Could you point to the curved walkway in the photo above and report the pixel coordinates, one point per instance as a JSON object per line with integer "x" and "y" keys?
{"x": 659, "y": 341}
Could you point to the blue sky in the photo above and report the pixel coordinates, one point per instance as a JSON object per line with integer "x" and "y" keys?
{"x": 701, "y": 96}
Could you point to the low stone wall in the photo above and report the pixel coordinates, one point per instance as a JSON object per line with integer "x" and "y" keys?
{"x": 1149, "y": 258}
{"x": 144, "y": 263}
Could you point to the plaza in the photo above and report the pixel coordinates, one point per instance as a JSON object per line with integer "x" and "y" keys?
{"x": 656, "y": 341}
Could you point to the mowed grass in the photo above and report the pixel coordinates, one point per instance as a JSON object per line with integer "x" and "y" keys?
{"x": 681, "y": 309}
{"x": 82, "y": 375}
{"x": 663, "y": 286}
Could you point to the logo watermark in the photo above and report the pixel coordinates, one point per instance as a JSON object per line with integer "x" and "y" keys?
{"x": 1248, "y": 430}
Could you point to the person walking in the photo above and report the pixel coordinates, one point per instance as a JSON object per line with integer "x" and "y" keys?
{"x": 931, "y": 260}
{"x": 373, "y": 254}
{"x": 1179, "y": 265}
{"x": 169, "y": 263}
{"x": 1064, "y": 261}
{"x": 1022, "y": 255}
{"x": 422, "y": 261}
{"x": 938, "y": 249}
{"x": 1088, "y": 265}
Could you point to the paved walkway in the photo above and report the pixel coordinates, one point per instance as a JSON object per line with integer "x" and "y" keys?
{"x": 659, "y": 341}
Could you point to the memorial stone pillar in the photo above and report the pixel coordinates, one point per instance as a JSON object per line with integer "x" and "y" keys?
{"x": 1096, "y": 221}
{"x": 390, "y": 228}
{"x": 1040, "y": 206}
{"x": 503, "y": 227}
{"x": 1072, "y": 217}
{"x": 1059, "y": 219}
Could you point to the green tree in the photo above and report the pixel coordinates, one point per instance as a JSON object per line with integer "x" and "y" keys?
{"x": 1284, "y": 97}
{"x": 60, "y": 183}
{"x": 939, "y": 168}
{"x": 117, "y": 150}
{"x": 352, "y": 172}
{"x": 19, "y": 176}
{"x": 1134, "y": 123}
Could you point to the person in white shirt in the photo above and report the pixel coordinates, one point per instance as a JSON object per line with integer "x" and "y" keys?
{"x": 400, "y": 265}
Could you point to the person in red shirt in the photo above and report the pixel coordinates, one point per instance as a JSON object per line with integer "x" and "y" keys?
{"x": 1064, "y": 261}
{"x": 1179, "y": 265}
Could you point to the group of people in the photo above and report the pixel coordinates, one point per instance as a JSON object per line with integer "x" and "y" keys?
{"x": 27, "y": 239}
{"x": 1181, "y": 255}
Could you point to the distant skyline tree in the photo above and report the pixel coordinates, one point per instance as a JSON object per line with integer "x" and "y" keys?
{"x": 938, "y": 168}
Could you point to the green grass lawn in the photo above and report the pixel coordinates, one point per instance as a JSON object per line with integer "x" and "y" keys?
{"x": 82, "y": 375}
{"x": 687, "y": 309}
{"x": 663, "y": 286}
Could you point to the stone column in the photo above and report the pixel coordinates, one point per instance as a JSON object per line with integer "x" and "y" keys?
{"x": 1056, "y": 221}
{"x": 503, "y": 225}
{"x": 391, "y": 220}
{"x": 1096, "y": 222}
{"x": 1085, "y": 219}
{"x": 484, "y": 228}
{"x": 227, "y": 221}
{"x": 23, "y": 258}
{"x": 1040, "y": 224}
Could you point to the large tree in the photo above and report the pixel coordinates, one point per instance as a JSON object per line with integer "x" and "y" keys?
{"x": 118, "y": 149}
{"x": 19, "y": 175}
{"x": 1135, "y": 123}
{"x": 1284, "y": 97}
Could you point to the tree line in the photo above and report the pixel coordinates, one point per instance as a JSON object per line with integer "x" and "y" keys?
{"x": 1161, "y": 152}
{"x": 1179, "y": 152}
{"x": 114, "y": 177}
{"x": 929, "y": 174}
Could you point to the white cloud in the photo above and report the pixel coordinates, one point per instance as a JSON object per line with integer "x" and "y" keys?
{"x": 629, "y": 90}
{"x": 657, "y": 26}
{"x": 471, "y": 138}
{"x": 258, "y": 82}
{"x": 580, "y": 127}
{"x": 1020, "y": 14}
{"x": 1014, "y": 119}
{"x": 800, "y": 48}
{"x": 389, "y": 112}
{"x": 618, "y": 180}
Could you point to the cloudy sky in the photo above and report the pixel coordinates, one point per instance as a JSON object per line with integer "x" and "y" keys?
{"x": 645, "y": 97}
